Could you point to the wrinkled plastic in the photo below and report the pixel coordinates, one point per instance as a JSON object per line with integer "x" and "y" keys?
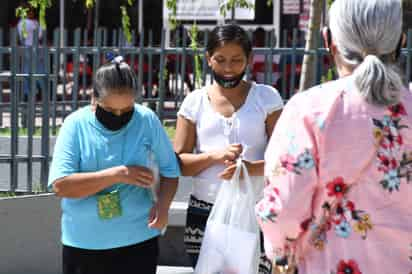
{"x": 231, "y": 241}
{"x": 154, "y": 190}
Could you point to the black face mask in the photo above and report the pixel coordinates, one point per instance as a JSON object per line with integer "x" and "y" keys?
{"x": 228, "y": 82}
{"x": 112, "y": 121}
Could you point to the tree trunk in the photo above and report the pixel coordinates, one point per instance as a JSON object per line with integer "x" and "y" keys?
{"x": 307, "y": 78}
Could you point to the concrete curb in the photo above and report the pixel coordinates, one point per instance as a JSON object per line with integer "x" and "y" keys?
{"x": 174, "y": 270}
{"x": 30, "y": 238}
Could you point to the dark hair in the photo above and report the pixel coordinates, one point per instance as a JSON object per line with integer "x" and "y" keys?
{"x": 230, "y": 33}
{"x": 114, "y": 77}
{"x": 259, "y": 37}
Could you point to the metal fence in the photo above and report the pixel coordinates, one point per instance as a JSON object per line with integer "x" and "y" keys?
{"x": 41, "y": 84}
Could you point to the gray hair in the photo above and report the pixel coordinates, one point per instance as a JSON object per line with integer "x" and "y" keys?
{"x": 366, "y": 33}
{"x": 114, "y": 77}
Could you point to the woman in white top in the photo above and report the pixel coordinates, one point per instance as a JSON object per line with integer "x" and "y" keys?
{"x": 220, "y": 122}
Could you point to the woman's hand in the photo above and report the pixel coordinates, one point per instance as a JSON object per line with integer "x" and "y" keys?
{"x": 253, "y": 168}
{"x": 230, "y": 154}
{"x": 227, "y": 174}
{"x": 229, "y": 171}
{"x": 158, "y": 217}
{"x": 136, "y": 175}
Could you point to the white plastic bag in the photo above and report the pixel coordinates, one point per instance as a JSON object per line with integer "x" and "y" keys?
{"x": 154, "y": 190}
{"x": 154, "y": 167}
{"x": 231, "y": 241}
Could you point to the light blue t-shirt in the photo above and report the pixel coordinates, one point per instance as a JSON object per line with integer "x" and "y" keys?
{"x": 85, "y": 145}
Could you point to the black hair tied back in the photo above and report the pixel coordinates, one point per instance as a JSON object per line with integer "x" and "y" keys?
{"x": 116, "y": 60}
{"x": 114, "y": 76}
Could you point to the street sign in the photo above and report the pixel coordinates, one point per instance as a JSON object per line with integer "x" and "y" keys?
{"x": 291, "y": 7}
{"x": 304, "y": 16}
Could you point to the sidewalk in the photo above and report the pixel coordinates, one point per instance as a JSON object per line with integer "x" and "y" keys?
{"x": 174, "y": 270}
{"x": 30, "y": 237}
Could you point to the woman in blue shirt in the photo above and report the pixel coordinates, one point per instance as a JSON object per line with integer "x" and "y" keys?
{"x": 101, "y": 169}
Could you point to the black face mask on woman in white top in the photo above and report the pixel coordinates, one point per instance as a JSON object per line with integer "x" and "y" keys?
{"x": 228, "y": 82}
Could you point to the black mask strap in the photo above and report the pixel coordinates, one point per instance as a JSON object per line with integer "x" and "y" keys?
{"x": 95, "y": 93}
{"x": 399, "y": 48}
{"x": 327, "y": 37}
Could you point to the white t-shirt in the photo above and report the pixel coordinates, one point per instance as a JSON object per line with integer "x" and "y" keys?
{"x": 31, "y": 26}
{"x": 215, "y": 132}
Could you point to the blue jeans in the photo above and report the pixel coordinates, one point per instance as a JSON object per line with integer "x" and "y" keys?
{"x": 27, "y": 68}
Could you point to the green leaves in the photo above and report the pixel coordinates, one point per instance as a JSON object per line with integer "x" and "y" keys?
{"x": 41, "y": 5}
{"x": 125, "y": 17}
{"x": 22, "y": 14}
{"x": 224, "y": 8}
{"x": 194, "y": 31}
{"x": 172, "y": 6}
{"x": 330, "y": 75}
{"x": 89, "y": 4}
{"x": 126, "y": 24}
{"x": 126, "y": 21}
{"x": 232, "y": 4}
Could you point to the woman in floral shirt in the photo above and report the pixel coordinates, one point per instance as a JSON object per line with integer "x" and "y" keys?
{"x": 338, "y": 195}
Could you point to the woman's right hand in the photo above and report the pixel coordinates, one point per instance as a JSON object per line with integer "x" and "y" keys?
{"x": 136, "y": 175}
{"x": 230, "y": 154}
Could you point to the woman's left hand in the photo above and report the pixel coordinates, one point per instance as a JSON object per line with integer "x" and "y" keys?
{"x": 227, "y": 174}
{"x": 158, "y": 217}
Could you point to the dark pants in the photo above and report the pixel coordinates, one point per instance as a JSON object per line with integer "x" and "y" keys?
{"x": 135, "y": 259}
{"x": 197, "y": 215}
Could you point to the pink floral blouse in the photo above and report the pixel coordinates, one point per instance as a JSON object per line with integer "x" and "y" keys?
{"x": 338, "y": 189}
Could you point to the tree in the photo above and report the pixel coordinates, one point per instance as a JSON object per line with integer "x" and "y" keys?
{"x": 42, "y": 5}
{"x": 307, "y": 78}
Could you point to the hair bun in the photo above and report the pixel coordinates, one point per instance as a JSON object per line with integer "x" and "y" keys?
{"x": 113, "y": 58}
{"x": 118, "y": 60}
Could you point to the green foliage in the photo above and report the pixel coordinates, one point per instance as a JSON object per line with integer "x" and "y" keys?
{"x": 125, "y": 17}
{"x": 7, "y": 194}
{"x": 24, "y": 132}
{"x": 231, "y": 4}
{"x": 38, "y": 189}
{"x": 126, "y": 24}
{"x": 329, "y": 75}
{"x": 22, "y": 14}
{"x": 41, "y": 5}
{"x": 172, "y": 6}
{"x": 269, "y": 3}
{"x": 89, "y": 4}
{"x": 330, "y": 2}
{"x": 224, "y": 8}
{"x": 170, "y": 131}
{"x": 194, "y": 45}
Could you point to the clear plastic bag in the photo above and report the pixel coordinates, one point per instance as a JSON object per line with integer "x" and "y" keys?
{"x": 155, "y": 169}
{"x": 231, "y": 241}
{"x": 154, "y": 190}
